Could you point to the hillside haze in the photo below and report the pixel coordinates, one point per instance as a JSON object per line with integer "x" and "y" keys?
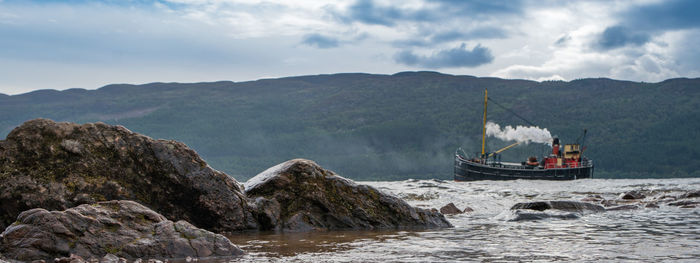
{"x": 388, "y": 127}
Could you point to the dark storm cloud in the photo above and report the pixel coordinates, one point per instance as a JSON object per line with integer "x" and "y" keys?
{"x": 618, "y": 36}
{"x": 367, "y": 12}
{"x": 639, "y": 23}
{"x": 479, "y": 33}
{"x": 370, "y": 12}
{"x": 448, "y": 58}
{"x": 320, "y": 41}
{"x": 481, "y": 7}
{"x": 666, "y": 15}
{"x": 454, "y": 35}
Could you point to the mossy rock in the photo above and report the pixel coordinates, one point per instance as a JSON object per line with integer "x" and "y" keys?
{"x": 58, "y": 165}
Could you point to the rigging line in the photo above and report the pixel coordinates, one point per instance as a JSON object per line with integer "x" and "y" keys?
{"x": 512, "y": 112}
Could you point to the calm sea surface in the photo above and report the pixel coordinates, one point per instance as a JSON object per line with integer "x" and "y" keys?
{"x": 664, "y": 234}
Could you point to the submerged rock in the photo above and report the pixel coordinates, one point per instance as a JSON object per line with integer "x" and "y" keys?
{"x": 691, "y": 194}
{"x": 299, "y": 195}
{"x": 623, "y": 207}
{"x": 520, "y": 215}
{"x": 632, "y": 195}
{"x": 570, "y": 206}
{"x": 685, "y": 203}
{"x": 651, "y": 205}
{"x": 450, "y": 209}
{"x": 122, "y": 228}
{"x": 60, "y": 165}
{"x": 552, "y": 210}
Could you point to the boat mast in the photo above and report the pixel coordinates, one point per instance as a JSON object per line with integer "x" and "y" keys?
{"x": 483, "y": 127}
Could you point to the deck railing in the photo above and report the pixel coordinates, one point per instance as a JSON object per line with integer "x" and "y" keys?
{"x": 581, "y": 164}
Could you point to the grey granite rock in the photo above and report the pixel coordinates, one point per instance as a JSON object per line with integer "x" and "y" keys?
{"x": 122, "y": 228}
{"x": 299, "y": 195}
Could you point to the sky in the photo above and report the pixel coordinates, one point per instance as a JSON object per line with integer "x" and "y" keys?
{"x": 88, "y": 44}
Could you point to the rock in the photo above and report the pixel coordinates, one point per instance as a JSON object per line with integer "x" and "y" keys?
{"x": 622, "y": 207}
{"x": 61, "y": 165}
{"x": 691, "y": 194}
{"x": 121, "y": 228}
{"x": 520, "y": 215}
{"x": 666, "y": 198}
{"x": 299, "y": 195}
{"x": 419, "y": 197}
{"x": 632, "y": 195}
{"x": 55, "y": 166}
{"x": 570, "y": 206}
{"x": 651, "y": 205}
{"x": 450, "y": 209}
{"x": 539, "y": 206}
{"x": 684, "y": 203}
{"x": 468, "y": 210}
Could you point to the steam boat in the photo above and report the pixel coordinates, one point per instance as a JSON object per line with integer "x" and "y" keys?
{"x": 563, "y": 163}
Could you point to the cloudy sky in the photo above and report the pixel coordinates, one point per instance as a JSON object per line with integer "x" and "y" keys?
{"x": 87, "y": 44}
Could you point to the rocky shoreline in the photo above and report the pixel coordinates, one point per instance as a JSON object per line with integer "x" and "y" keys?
{"x": 76, "y": 193}
{"x": 101, "y": 193}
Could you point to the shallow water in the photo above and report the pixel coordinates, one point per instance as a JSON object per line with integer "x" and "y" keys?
{"x": 667, "y": 233}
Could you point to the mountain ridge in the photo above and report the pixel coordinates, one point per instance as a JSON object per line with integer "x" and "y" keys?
{"x": 335, "y": 74}
{"x": 387, "y": 127}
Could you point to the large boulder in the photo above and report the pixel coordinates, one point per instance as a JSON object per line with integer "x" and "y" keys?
{"x": 60, "y": 165}
{"x": 299, "y": 195}
{"x": 122, "y": 228}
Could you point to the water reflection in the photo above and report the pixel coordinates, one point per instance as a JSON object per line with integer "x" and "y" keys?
{"x": 271, "y": 244}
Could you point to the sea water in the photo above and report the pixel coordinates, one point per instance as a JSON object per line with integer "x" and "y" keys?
{"x": 489, "y": 234}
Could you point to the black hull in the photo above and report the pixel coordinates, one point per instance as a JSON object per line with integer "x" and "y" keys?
{"x": 471, "y": 171}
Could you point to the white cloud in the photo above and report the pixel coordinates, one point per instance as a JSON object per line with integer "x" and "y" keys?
{"x": 574, "y": 57}
{"x": 88, "y": 44}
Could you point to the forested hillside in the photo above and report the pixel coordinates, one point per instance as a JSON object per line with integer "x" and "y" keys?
{"x": 386, "y": 127}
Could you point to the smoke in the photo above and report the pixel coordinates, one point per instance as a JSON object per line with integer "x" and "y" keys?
{"x": 519, "y": 133}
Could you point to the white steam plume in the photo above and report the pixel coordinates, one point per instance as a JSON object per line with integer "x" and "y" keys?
{"x": 519, "y": 133}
